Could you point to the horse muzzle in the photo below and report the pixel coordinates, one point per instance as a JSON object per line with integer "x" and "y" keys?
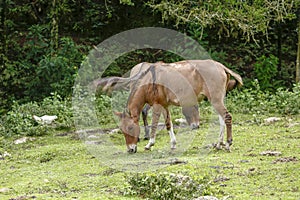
{"x": 194, "y": 126}
{"x": 132, "y": 148}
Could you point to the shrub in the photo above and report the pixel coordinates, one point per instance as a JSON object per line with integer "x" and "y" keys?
{"x": 265, "y": 70}
{"x": 19, "y": 120}
{"x": 166, "y": 186}
{"x": 255, "y": 101}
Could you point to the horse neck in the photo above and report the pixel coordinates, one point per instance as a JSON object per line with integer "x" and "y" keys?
{"x": 135, "y": 106}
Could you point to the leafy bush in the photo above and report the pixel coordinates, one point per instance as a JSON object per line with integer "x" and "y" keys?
{"x": 19, "y": 120}
{"x": 255, "y": 101}
{"x": 55, "y": 72}
{"x": 166, "y": 186}
{"x": 265, "y": 70}
{"x": 104, "y": 109}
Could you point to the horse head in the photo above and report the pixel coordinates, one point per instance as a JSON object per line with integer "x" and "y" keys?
{"x": 191, "y": 114}
{"x": 130, "y": 129}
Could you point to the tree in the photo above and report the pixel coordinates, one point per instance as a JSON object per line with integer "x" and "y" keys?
{"x": 298, "y": 51}
{"x": 231, "y": 18}
{"x": 2, "y": 32}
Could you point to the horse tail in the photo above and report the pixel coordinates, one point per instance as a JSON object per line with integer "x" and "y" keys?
{"x": 231, "y": 84}
{"x": 106, "y": 84}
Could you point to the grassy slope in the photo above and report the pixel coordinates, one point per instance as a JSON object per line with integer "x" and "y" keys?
{"x": 60, "y": 167}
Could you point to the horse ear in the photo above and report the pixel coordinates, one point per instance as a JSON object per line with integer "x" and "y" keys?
{"x": 118, "y": 114}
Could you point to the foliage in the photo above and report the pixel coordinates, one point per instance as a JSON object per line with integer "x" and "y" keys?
{"x": 265, "y": 70}
{"x": 105, "y": 110}
{"x": 55, "y": 73}
{"x": 36, "y": 72}
{"x": 166, "y": 186}
{"x": 45, "y": 43}
{"x": 19, "y": 120}
{"x": 256, "y": 101}
{"x": 233, "y": 18}
{"x": 124, "y": 63}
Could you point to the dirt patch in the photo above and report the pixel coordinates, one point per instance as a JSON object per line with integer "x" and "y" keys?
{"x": 23, "y": 198}
{"x": 221, "y": 179}
{"x": 285, "y": 160}
{"x": 270, "y": 153}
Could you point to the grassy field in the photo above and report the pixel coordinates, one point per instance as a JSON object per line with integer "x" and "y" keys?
{"x": 263, "y": 164}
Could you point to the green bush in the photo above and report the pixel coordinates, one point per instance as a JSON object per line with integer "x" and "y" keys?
{"x": 19, "y": 120}
{"x": 265, "y": 70}
{"x": 166, "y": 186}
{"x": 255, "y": 101}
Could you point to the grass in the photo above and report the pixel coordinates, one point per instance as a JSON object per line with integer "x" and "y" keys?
{"x": 59, "y": 166}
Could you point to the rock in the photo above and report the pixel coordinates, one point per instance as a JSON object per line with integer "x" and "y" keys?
{"x": 221, "y": 179}
{"x": 4, "y": 190}
{"x": 270, "y": 153}
{"x": 46, "y": 119}
{"x": 181, "y": 121}
{"x": 206, "y": 198}
{"x": 23, "y": 140}
{"x": 5, "y": 154}
{"x": 285, "y": 159}
{"x": 92, "y": 137}
{"x": 116, "y": 130}
{"x": 293, "y": 124}
{"x": 271, "y": 120}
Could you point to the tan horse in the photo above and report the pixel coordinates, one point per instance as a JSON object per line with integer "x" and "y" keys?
{"x": 181, "y": 84}
{"x": 191, "y": 113}
{"x": 108, "y": 84}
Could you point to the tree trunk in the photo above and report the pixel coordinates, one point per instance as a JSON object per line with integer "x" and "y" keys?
{"x": 298, "y": 55}
{"x": 54, "y": 27}
{"x": 2, "y": 33}
{"x": 279, "y": 52}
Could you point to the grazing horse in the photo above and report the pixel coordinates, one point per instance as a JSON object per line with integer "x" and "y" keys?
{"x": 182, "y": 84}
{"x": 191, "y": 113}
{"x": 109, "y": 84}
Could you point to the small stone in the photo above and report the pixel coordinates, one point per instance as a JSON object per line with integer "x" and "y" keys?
{"x": 272, "y": 120}
{"x": 21, "y": 140}
{"x": 206, "y": 198}
{"x": 116, "y": 130}
{"x": 4, "y": 190}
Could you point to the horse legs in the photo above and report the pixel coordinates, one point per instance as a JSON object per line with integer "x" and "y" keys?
{"x": 221, "y": 136}
{"x": 225, "y": 119}
{"x": 157, "y": 109}
{"x": 144, "y": 115}
{"x": 169, "y": 126}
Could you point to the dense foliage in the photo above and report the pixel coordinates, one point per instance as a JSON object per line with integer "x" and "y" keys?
{"x": 44, "y": 42}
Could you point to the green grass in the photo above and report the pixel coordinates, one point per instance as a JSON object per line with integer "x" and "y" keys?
{"x": 61, "y": 167}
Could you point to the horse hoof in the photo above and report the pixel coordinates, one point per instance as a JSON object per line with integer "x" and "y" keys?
{"x": 218, "y": 146}
{"x": 147, "y": 148}
{"x": 229, "y": 142}
{"x": 227, "y": 147}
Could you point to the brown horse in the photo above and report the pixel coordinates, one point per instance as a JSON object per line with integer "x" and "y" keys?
{"x": 181, "y": 84}
{"x": 109, "y": 84}
{"x": 191, "y": 113}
